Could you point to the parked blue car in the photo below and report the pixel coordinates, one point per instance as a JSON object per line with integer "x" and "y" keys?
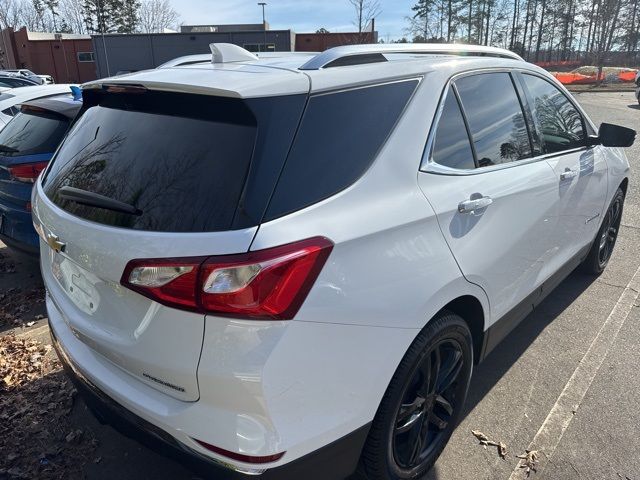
{"x": 27, "y": 143}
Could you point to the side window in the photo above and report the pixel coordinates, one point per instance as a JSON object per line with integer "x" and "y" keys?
{"x": 338, "y": 139}
{"x": 451, "y": 146}
{"x": 559, "y": 121}
{"x": 495, "y": 118}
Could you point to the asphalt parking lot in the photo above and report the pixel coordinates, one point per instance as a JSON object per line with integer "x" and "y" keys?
{"x": 566, "y": 383}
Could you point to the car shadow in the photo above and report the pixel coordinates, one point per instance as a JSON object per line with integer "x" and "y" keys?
{"x": 506, "y": 353}
{"x": 635, "y": 106}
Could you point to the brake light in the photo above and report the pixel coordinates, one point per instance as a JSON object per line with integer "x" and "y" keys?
{"x": 265, "y": 284}
{"x": 27, "y": 172}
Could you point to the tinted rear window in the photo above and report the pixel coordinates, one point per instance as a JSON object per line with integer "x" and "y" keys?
{"x": 338, "y": 139}
{"x": 182, "y": 160}
{"x": 184, "y": 174}
{"x": 32, "y": 133}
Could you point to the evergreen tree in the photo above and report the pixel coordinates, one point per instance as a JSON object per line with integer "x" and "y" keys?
{"x": 111, "y": 16}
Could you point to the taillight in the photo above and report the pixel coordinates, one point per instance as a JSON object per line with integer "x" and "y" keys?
{"x": 265, "y": 284}
{"x": 27, "y": 172}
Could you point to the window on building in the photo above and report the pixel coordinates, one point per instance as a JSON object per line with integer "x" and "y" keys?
{"x": 260, "y": 47}
{"x": 85, "y": 57}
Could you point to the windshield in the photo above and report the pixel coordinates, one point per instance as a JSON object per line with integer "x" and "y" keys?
{"x": 31, "y": 133}
{"x": 10, "y": 82}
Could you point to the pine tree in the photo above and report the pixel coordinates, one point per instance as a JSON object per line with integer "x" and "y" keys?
{"x": 111, "y": 16}
{"x": 127, "y": 20}
{"x": 422, "y": 13}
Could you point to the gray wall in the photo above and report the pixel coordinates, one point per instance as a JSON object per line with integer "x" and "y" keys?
{"x": 143, "y": 51}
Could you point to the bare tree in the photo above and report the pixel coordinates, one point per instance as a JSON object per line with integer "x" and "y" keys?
{"x": 11, "y": 13}
{"x": 366, "y": 11}
{"x": 156, "y": 15}
{"x": 71, "y": 14}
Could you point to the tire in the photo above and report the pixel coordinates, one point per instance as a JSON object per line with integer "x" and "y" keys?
{"x": 602, "y": 247}
{"x": 389, "y": 449}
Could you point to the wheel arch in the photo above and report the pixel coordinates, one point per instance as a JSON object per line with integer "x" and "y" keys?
{"x": 624, "y": 185}
{"x": 470, "y": 309}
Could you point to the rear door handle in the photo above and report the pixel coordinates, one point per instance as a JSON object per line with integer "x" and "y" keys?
{"x": 473, "y": 204}
{"x": 568, "y": 174}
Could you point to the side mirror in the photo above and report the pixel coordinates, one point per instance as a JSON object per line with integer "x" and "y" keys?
{"x": 610, "y": 135}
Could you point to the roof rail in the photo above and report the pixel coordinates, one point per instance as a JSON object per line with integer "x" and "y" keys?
{"x": 339, "y": 56}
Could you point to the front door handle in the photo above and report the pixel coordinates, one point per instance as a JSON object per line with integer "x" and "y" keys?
{"x": 473, "y": 204}
{"x": 568, "y": 174}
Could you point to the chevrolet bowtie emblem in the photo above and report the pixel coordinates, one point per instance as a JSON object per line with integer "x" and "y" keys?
{"x": 55, "y": 243}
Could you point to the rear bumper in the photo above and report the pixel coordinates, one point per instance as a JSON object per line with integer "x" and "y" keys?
{"x": 17, "y": 230}
{"x": 336, "y": 460}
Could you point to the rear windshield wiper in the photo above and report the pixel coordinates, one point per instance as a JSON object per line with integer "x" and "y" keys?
{"x": 8, "y": 149}
{"x": 91, "y": 199}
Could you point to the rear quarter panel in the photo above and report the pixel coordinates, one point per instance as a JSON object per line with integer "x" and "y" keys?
{"x": 390, "y": 266}
{"x": 322, "y": 375}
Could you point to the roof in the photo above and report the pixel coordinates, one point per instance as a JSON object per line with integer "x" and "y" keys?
{"x": 56, "y": 36}
{"x": 63, "y": 104}
{"x": 16, "y": 96}
{"x": 284, "y": 73}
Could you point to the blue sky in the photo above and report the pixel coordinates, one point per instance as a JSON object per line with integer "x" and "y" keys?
{"x": 298, "y": 15}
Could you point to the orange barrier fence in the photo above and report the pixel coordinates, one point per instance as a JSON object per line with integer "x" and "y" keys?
{"x": 573, "y": 78}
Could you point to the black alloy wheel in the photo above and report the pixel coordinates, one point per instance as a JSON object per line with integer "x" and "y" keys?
{"x": 423, "y": 403}
{"x": 609, "y": 232}
{"x": 427, "y": 405}
{"x": 602, "y": 247}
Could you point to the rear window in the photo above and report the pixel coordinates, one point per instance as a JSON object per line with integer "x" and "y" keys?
{"x": 14, "y": 83}
{"x": 180, "y": 160}
{"x": 338, "y": 139}
{"x": 31, "y": 133}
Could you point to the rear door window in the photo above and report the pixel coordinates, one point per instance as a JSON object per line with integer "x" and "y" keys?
{"x": 559, "y": 121}
{"x": 339, "y": 137}
{"x": 451, "y": 146}
{"x": 495, "y": 118}
{"x": 32, "y": 132}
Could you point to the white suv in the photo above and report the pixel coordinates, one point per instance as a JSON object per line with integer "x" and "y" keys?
{"x": 287, "y": 266}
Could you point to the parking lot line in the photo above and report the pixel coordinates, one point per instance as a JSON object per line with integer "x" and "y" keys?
{"x": 550, "y": 433}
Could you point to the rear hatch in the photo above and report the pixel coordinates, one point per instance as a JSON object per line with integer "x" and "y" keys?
{"x": 26, "y": 145}
{"x": 149, "y": 174}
